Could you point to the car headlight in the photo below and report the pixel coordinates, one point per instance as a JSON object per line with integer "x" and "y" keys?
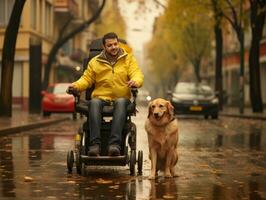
{"x": 148, "y": 98}
{"x": 215, "y": 101}
{"x": 174, "y": 99}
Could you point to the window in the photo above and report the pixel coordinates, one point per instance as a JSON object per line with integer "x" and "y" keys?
{"x": 5, "y": 11}
{"x": 33, "y": 14}
{"x": 48, "y": 19}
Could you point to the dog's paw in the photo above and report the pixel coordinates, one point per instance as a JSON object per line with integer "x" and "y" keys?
{"x": 168, "y": 175}
{"x": 152, "y": 177}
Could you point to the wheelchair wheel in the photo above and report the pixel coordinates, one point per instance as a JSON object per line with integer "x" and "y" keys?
{"x": 70, "y": 161}
{"x": 140, "y": 161}
{"x": 83, "y": 169}
{"x": 78, "y": 163}
{"x": 132, "y": 162}
{"x": 126, "y": 154}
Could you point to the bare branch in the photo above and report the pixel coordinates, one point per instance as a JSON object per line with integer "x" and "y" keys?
{"x": 233, "y": 12}
{"x": 160, "y": 4}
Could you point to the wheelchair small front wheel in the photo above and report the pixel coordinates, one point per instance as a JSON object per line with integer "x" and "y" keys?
{"x": 132, "y": 162}
{"x": 140, "y": 161}
{"x": 70, "y": 161}
{"x": 83, "y": 169}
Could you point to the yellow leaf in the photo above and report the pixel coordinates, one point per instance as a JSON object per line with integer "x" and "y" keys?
{"x": 168, "y": 196}
{"x": 28, "y": 179}
{"x": 102, "y": 181}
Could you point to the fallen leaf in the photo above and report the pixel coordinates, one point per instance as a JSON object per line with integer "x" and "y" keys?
{"x": 102, "y": 181}
{"x": 168, "y": 197}
{"x": 115, "y": 187}
{"x": 28, "y": 179}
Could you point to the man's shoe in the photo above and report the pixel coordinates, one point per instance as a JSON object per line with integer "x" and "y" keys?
{"x": 94, "y": 150}
{"x": 114, "y": 150}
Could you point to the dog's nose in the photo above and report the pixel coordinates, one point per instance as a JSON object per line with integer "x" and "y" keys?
{"x": 156, "y": 114}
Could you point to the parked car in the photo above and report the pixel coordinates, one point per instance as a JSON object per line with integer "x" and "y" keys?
{"x": 195, "y": 98}
{"x": 56, "y": 100}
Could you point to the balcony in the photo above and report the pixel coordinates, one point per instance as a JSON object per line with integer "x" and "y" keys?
{"x": 66, "y": 7}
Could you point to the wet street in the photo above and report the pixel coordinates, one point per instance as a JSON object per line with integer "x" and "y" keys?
{"x": 218, "y": 159}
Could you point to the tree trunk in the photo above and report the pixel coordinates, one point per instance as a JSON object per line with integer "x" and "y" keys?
{"x": 63, "y": 40}
{"x": 257, "y": 23}
{"x": 196, "y": 65}
{"x": 219, "y": 52}
{"x": 8, "y": 55}
{"x": 218, "y": 64}
{"x": 242, "y": 72}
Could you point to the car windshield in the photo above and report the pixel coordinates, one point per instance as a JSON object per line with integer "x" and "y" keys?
{"x": 193, "y": 88}
{"x": 58, "y": 89}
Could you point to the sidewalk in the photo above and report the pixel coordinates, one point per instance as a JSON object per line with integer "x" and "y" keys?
{"x": 22, "y": 121}
{"x": 248, "y": 114}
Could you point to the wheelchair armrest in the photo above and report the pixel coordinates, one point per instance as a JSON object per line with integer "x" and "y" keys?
{"x": 82, "y": 107}
{"x": 134, "y": 92}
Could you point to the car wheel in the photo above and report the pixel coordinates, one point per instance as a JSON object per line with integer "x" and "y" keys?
{"x": 206, "y": 116}
{"x": 46, "y": 114}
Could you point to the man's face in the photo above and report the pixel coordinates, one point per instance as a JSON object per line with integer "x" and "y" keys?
{"x": 111, "y": 46}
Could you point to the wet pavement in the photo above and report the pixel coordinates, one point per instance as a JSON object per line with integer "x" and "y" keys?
{"x": 22, "y": 120}
{"x": 218, "y": 159}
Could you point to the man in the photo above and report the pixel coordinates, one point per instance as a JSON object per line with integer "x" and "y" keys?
{"x": 113, "y": 72}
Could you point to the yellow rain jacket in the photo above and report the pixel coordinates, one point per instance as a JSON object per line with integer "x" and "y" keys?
{"x": 111, "y": 80}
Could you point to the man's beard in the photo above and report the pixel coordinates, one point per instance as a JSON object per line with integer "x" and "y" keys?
{"x": 110, "y": 54}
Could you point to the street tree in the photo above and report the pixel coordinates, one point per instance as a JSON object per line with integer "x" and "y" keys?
{"x": 214, "y": 8}
{"x": 235, "y": 16}
{"x": 8, "y": 55}
{"x": 164, "y": 64}
{"x": 196, "y": 45}
{"x": 111, "y": 20}
{"x": 63, "y": 39}
{"x": 184, "y": 32}
{"x": 257, "y": 20}
{"x": 218, "y": 35}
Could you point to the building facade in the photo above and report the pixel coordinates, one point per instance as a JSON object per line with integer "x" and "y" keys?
{"x": 41, "y": 24}
{"x": 231, "y": 67}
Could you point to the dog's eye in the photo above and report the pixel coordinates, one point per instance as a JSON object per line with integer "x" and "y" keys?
{"x": 161, "y": 106}
{"x": 153, "y": 106}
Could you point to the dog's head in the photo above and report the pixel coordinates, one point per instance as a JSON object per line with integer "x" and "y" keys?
{"x": 161, "y": 111}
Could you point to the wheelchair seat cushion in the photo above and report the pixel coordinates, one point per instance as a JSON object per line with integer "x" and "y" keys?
{"x": 83, "y": 108}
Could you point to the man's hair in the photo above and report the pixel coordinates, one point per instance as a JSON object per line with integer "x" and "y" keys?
{"x": 110, "y": 35}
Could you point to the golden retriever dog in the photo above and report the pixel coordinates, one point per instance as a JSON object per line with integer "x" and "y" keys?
{"x": 162, "y": 129}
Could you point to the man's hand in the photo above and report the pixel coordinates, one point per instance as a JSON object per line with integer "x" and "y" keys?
{"x": 131, "y": 84}
{"x": 72, "y": 90}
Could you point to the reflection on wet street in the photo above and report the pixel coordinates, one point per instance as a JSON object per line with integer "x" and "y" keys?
{"x": 218, "y": 159}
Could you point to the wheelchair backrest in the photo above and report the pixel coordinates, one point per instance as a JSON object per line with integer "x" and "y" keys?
{"x": 96, "y": 48}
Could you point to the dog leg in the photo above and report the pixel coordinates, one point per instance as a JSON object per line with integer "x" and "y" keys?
{"x": 174, "y": 161}
{"x": 153, "y": 155}
{"x": 173, "y": 172}
{"x": 168, "y": 163}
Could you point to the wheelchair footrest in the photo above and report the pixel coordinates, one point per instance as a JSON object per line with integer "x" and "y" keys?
{"x": 104, "y": 160}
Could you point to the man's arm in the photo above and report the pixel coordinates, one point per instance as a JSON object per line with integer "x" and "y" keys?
{"x": 135, "y": 74}
{"x": 86, "y": 80}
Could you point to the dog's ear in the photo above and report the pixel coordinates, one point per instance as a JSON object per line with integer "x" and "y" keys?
{"x": 170, "y": 108}
{"x": 149, "y": 107}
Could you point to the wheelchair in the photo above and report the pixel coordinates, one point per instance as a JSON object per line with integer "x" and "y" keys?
{"x": 129, "y": 155}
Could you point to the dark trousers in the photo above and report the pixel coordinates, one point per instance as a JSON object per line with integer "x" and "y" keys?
{"x": 95, "y": 120}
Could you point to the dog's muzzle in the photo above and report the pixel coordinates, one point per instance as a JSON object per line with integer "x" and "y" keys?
{"x": 156, "y": 115}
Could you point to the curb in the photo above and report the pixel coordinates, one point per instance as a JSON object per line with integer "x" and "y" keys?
{"x": 33, "y": 125}
{"x": 243, "y": 116}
